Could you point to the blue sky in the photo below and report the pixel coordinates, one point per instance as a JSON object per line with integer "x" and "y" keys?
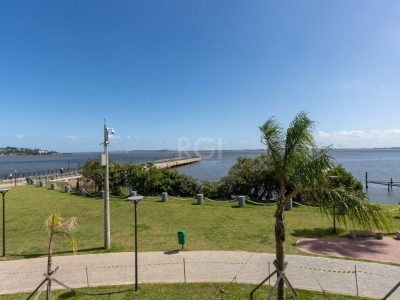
{"x": 205, "y": 74}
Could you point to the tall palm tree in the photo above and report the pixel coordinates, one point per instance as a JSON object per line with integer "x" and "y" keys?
{"x": 300, "y": 167}
{"x": 57, "y": 227}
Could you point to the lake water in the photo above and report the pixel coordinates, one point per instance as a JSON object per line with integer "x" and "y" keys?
{"x": 381, "y": 164}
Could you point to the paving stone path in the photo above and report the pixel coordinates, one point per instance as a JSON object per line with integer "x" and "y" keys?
{"x": 386, "y": 249}
{"x": 307, "y": 272}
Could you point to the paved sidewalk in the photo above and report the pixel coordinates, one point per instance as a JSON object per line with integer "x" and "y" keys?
{"x": 314, "y": 273}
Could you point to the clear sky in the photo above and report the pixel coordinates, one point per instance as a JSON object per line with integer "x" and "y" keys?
{"x": 169, "y": 74}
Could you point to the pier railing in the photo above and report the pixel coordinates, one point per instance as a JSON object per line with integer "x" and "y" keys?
{"x": 46, "y": 174}
{"x": 12, "y": 177}
{"x": 389, "y": 183}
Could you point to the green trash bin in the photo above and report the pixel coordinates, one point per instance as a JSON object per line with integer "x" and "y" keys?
{"x": 182, "y": 237}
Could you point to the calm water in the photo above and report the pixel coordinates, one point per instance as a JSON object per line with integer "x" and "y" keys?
{"x": 381, "y": 164}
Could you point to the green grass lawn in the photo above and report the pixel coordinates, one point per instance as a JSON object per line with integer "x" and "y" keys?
{"x": 190, "y": 291}
{"x": 213, "y": 226}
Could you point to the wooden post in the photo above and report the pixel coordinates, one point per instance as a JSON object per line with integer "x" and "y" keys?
{"x": 269, "y": 273}
{"x": 242, "y": 201}
{"x": 184, "y": 269}
{"x": 164, "y": 196}
{"x": 391, "y": 291}
{"x": 355, "y": 273}
{"x": 366, "y": 180}
{"x": 200, "y": 199}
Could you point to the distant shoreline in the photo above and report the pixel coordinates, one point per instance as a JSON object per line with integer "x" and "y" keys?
{"x": 185, "y": 151}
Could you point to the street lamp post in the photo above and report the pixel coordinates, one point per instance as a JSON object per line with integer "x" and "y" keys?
{"x": 3, "y": 191}
{"x": 107, "y": 235}
{"x": 136, "y": 199}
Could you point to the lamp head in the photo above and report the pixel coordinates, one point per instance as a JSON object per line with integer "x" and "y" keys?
{"x": 4, "y": 190}
{"x": 136, "y": 198}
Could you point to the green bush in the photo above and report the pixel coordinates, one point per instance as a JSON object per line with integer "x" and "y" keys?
{"x": 250, "y": 176}
{"x": 215, "y": 190}
{"x": 339, "y": 177}
{"x": 92, "y": 170}
{"x": 144, "y": 178}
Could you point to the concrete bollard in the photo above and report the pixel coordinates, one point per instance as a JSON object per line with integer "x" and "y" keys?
{"x": 164, "y": 197}
{"x": 200, "y": 199}
{"x": 42, "y": 183}
{"x": 53, "y": 186}
{"x": 289, "y": 205}
{"x": 67, "y": 188}
{"x": 82, "y": 191}
{"x": 242, "y": 201}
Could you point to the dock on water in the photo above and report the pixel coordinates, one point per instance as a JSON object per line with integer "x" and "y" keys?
{"x": 390, "y": 184}
{"x": 177, "y": 162}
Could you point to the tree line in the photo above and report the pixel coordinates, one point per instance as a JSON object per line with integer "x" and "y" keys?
{"x": 250, "y": 176}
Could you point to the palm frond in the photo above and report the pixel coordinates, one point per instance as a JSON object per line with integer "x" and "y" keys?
{"x": 299, "y": 136}
{"x": 309, "y": 166}
{"x": 272, "y": 137}
{"x": 56, "y": 225}
{"x": 53, "y": 221}
{"x": 69, "y": 224}
{"x": 348, "y": 207}
{"x": 70, "y": 238}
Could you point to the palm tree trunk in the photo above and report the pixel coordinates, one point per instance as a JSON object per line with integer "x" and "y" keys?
{"x": 49, "y": 263}
{"x": 280, "y": 246}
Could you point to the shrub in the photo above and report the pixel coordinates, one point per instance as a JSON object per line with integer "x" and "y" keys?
{"x": 144, "y": 178}
{"x": 215, "y": 190}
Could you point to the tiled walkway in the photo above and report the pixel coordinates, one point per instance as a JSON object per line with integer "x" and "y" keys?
{"x": 307, "y": 272}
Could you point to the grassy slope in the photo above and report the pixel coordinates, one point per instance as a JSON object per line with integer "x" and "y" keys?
{"x": 193, "y": 291}
{"x": 214, "y": 226}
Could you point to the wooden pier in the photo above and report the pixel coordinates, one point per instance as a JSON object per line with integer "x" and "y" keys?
{"x": 178, "y": 162}
{"x": 390, "y": 184}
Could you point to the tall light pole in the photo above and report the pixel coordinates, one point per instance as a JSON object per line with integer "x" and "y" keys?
{"x": 107, "y": 235}
{"x": 135, "y": 199}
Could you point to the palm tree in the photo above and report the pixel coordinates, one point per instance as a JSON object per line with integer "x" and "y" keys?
{"x": 57, "y": 227}
{"x": 299, "y": 167}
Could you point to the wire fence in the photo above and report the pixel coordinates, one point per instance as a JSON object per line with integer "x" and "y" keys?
{"x": 247, "y": 199}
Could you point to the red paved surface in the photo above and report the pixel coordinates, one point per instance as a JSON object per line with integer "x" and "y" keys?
{"x": 387, "y": 249}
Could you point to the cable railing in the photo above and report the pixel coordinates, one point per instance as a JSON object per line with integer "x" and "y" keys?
{"x": 38, "y": 174}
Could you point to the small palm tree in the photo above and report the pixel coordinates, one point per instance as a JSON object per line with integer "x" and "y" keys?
{"x": 58, "y": 227}
{"x": 300, "y": 168}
